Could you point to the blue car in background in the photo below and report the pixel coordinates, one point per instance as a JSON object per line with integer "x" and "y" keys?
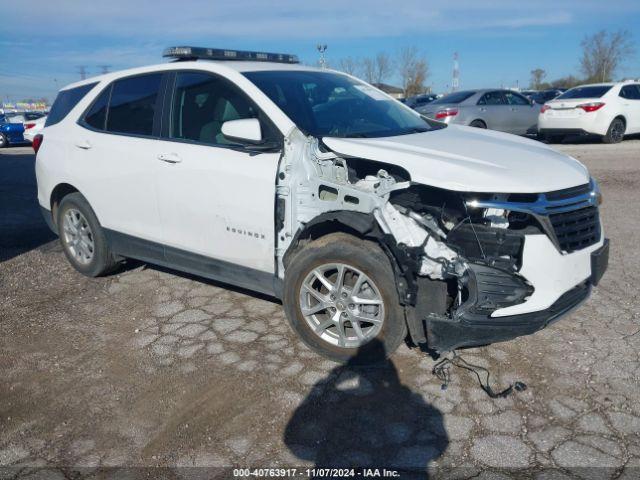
{"x": 12, "y": 127}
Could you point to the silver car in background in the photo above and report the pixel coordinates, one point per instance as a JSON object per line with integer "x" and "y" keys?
{"x": 496, "y": 109}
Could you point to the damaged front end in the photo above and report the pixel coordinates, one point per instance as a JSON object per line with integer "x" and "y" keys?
{"x": 458, "y": 257}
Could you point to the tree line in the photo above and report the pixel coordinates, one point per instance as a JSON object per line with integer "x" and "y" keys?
{"x": 409, "y": 63}
{"x": 603, "y": 53}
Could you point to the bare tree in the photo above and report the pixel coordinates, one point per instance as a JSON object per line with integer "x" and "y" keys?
{"x": 537, "y": 76}
{"x": 413, "y": 69}
{"x": 349, "y": 65}
{"x": 603, "y": 53}
{"x": 383, "y": 67}
{"x": 369, "y": 70}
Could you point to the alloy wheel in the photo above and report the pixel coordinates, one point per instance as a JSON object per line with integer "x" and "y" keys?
{"x": 77, "y": 236}
{"x": 342, "y": 305}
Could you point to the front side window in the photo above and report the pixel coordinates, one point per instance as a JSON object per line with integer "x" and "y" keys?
{"x": 133, "y": 104}
{"x": 493, "y": 98}
{"x": 202, "y": 103}
{"x": 65, "y": 101}
{"x": 330, "y": 104}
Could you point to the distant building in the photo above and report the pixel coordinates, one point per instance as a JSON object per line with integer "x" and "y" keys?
{"x": 395, "y": 92}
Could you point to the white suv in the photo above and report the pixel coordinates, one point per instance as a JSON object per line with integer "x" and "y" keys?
{"x": 610, "y": 110}
{"x": 366, "y": 219}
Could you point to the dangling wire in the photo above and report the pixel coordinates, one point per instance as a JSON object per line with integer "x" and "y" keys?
{"x": 442, "y": 370}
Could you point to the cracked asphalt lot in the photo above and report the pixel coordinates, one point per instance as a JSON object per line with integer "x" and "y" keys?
{"x": 152, "y": 368}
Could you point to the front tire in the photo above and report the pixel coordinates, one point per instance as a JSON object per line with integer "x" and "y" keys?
{"x": 3, "y": 140}
{"x": 615, "y": 133}
{"x": 82, "y": 237}
{"x": 340, "y": 297}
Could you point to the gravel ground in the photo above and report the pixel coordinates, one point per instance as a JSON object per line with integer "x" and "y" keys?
{"x": 158, "y": 371}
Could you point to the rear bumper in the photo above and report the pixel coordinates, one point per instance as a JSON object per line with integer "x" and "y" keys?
{"x": 48, "y": 218}
{"x": 473, "y": 323}
{"x": 563, "y": 131}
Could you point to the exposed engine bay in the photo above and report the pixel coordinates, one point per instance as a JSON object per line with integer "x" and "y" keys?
{"x": 456, "y": 263}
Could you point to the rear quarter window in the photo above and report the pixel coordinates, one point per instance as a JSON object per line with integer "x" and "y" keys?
{"x": 65, "y": 101}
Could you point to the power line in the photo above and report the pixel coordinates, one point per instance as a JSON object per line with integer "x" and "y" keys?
{"x": 104, "y": 68}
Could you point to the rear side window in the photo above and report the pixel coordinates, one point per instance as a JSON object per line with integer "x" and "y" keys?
{"x": 585, "y": 92}
{"x": 515, "y": 99}
{"x": 133, "y": 104}
{"x": 96, "y": 117}
{"x": 630, "y": 92}
{"x": 65, "y": 101}
{"x": 493, "y": 98}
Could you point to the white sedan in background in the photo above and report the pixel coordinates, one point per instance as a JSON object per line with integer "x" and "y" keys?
{"x": 610, "y": 110}
{"x": 33, "y": 127}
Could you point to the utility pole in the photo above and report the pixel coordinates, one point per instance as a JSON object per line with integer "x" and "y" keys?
{"x": 321, "y": 49}
{"x": 455, "y": 80}
{"x": 82, "y": 70}
{"x": 104, "y": 68}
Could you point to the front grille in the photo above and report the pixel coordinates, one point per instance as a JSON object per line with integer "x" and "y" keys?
{"x": 568, "y": 192}
{"x": 576, "y": 229}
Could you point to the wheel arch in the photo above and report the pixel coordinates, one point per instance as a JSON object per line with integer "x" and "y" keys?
{"x": 60, "y": 191}
{"x": 478, "y": 119}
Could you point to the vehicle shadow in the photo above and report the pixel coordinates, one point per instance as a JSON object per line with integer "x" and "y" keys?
{"x": 22, "y": 227}
{"x": 364, "y": 417}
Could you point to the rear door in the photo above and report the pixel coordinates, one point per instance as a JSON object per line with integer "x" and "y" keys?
{"x": 495, "y": 111}
{"x": 523, "y": 114}
{"x": 114, "y": 153}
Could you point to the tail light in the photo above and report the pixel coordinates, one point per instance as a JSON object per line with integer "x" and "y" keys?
{"x": 447, "y": 112}
{"x": 591, "y": 107}
{"x": 544, "y": 108}
{"x": 37, "y": 142}
{"x": 27, "y": 126}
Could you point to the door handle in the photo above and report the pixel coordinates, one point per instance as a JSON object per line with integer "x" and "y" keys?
{"x": 513, "y": 109}
{"x": 169, "y": 157}
{"x": 482, "y": 109}
{"x": 84, "y": 145}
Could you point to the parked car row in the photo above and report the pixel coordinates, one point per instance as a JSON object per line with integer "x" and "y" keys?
{"x": 20, "y": 128}
{"x": 608, "y": 110}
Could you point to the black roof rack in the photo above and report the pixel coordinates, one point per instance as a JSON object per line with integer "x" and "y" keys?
{"x": 195, "y": 53}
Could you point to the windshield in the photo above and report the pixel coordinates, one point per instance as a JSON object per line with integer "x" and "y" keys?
{"x": 585, "y": 92}
{"x": 457, "y": 97}
{"x": 329, "y": 104}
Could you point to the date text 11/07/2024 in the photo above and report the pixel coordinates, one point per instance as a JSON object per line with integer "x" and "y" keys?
{"x": 315, "y": 472}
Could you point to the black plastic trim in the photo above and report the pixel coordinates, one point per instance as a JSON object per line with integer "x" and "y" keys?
{"x": 48, "y": 218}
{"x": 211, "y": 268}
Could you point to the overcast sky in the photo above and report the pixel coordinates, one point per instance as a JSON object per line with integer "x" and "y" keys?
{"x": 43, "y": 41}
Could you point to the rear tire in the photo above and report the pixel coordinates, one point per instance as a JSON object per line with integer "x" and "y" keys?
{"x": 478, "y": 124}
{"x": 82, "y": 237}
{"x": 3, "y": 141}
{"x": 615, "y": 133}
{"x": 367, "y": 276}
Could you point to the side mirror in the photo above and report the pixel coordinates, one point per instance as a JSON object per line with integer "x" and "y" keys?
{"x": 245, "y": 130}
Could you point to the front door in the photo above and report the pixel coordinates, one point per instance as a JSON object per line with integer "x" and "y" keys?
{"x": 216, "y": 198}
